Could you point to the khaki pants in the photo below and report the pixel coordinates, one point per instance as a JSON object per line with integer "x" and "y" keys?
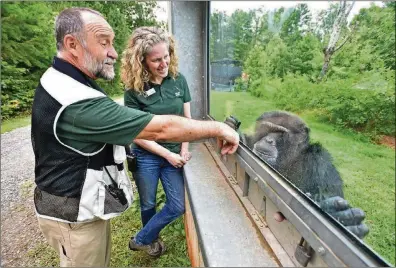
{"x": 79, "y": 244}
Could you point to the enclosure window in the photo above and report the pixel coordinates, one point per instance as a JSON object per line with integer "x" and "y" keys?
{"x": 328, "y": 66}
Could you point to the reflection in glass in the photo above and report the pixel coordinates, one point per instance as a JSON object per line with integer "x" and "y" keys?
{"x": 340, "y": 92}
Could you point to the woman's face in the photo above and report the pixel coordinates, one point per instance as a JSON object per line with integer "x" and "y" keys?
{"x": 157, "y": 61}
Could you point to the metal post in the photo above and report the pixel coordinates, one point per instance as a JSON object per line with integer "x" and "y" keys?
{"x": 188, "y": 26}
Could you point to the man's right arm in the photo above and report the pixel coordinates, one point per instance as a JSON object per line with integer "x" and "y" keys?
{"x": 101, "y": 120}
{"x": 179, "y": 129}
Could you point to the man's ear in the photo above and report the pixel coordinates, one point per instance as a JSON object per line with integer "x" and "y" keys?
{"x": 71, "y": 44}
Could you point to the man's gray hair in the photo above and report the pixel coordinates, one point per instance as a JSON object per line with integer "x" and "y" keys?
{"x": 70, "y": 21}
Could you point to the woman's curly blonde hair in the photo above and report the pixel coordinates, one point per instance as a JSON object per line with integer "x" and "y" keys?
{"x": 133, "y": 72}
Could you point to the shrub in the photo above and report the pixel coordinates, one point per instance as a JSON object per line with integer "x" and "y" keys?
{"x": 345, "y": 103}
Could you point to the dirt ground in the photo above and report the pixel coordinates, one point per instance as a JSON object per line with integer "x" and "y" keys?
{"x": 388, "y": 141}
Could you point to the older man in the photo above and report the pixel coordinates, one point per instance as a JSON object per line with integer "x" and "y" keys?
{"x": 78, "y": 135}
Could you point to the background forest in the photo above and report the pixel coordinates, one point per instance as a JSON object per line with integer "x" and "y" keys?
{"x": 283, "y": 53}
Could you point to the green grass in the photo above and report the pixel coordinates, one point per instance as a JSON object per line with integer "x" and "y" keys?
{"x": 242, "y": 105}
{"x": 23, "y": 121}
{"x": 368, "y": 170}
{"x": 13, "y": 123}
{"x": 43, "y": 255}
{"x": 122, "y": 228}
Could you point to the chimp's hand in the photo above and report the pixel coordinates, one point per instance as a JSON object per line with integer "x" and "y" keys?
{"x": 234, "y": 123}
{"x": 351, "y": 218}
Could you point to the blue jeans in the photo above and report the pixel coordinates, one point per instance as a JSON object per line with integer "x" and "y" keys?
{"x": 150, "y": 169}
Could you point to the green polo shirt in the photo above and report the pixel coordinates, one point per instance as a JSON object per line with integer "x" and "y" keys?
{"x": 87, "y": 124}
{"x": 168, "y": 98}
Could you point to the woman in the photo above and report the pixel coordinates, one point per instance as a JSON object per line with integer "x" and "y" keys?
{"x": 149, "y": 71}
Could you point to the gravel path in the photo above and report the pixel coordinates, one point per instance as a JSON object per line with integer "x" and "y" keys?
{"x": 19, "y": 229}
{"x": 17, "y": 166}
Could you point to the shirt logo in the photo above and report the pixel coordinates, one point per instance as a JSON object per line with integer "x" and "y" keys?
{"x": 177, "y": 94}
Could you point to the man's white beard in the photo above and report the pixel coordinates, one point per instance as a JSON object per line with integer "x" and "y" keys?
{"x": 99, "y": 69}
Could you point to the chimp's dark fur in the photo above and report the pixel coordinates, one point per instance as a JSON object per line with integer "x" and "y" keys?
{"x": 307, "y": 165}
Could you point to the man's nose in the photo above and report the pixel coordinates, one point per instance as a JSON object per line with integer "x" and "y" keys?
{"x": 112, "y": 53}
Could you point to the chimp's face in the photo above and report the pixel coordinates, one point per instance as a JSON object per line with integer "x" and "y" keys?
{"x": 267, "y": 147}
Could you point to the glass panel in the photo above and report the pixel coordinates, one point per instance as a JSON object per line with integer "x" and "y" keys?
{"x": 328, "y": 68}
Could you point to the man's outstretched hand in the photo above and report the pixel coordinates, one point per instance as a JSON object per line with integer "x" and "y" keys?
{"x": 228, "y": 141}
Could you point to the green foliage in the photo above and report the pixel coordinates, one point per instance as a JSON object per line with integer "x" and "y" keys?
{"x": 370, "y": 48}
{"x": 381, "y": 38}
{"x": 242, "y": 33}
{"x": 240, "y": 85}
{"x": 28, "y": 44}
{"x": 297, "y": 24}
{"x": 26, "y": 51}
{"x": 16, "y": 90}
{"x": 231, "y": 36}
{"x": 346, "y": 103}
{"x": 26, "y": 34}
{"x": 304, "y": 56}
{"x": 358, "y": 91}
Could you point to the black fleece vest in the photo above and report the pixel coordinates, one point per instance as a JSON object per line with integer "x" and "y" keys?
{"x": 72, "y": 186}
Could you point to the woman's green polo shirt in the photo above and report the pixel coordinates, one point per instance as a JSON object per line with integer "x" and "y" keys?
{"x": 166, "y": 98}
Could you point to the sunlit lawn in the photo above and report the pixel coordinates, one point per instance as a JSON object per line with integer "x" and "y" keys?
{"x": 368, "y": 170}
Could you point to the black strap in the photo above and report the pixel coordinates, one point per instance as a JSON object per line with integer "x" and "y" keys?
{"x": 112, "y": 180}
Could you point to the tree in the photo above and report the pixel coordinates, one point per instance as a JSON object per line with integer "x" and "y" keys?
{"x": 371, "y": 48}
{"x": 27, "y": 47}
{"x": 339, "y": 23}
{"x": 305, "y": 56}
{"x": 380, "y": 38}
{"x": 218, "y": 40}
{"x": 324, "y": 22}
{"x": 297, "y": 24}
{"x": 241, "y": 24}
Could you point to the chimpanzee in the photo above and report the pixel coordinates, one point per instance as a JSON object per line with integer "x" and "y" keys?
{"x": 282, "y": 140}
